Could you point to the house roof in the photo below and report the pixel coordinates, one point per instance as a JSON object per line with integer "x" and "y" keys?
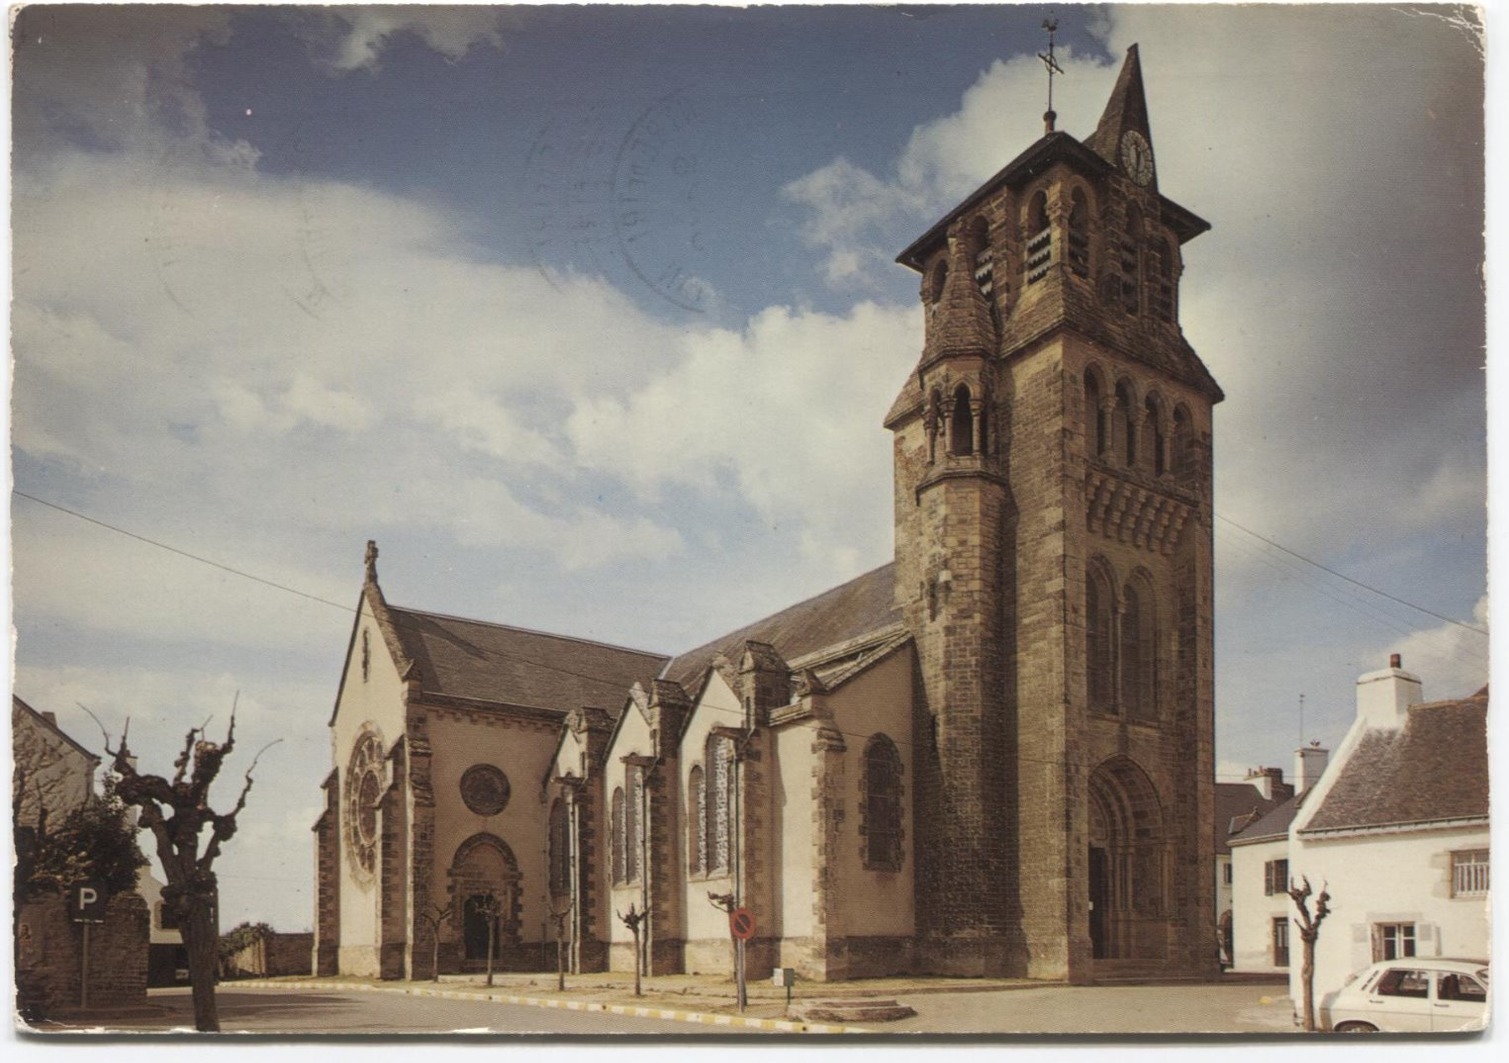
{"x": 50, "y": 724}
{"x": 847, "y": 612}
{"x": 495, "y": 663}
{"x": 1238, "y": 806}
{"x": 1273, "y": 824}
{"x": 1433, "y": 768}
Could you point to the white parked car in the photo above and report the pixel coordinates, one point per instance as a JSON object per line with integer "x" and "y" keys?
{"x": 1414, "y": 994}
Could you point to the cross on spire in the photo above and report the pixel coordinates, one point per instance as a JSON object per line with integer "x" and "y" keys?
{"x": 1049, "y": 117}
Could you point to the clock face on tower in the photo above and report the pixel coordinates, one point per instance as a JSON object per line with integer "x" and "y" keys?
{"x": 1137, "y": 156}
{"x": 363, "y": 786}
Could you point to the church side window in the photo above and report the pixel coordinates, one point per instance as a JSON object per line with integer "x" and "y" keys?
{"x": 1099, "y": 622}
{"x": 1079, "y": 234}
{"x": 881, "y": 808}
{"x": 719, "y": 803}
{"x": 697, "y": 818}
{"x": 620, "y": 836}
{"x": 1039, "y": 243}
{"x": 634, "y": 831}
{"x": 560, "y": 850}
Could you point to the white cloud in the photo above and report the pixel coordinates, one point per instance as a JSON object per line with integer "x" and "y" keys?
{"x": 1451, "y": 660}
{"x": 354, "y": 38}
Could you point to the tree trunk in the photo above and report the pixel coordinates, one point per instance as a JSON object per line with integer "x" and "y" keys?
{"x": 1307, "y": 980}
{"x": 200, "y": 941}
{"x": 435, "y": 957}
{"x": 492, "y": 937}
{"x": 560, "y": 963}
{"x": 637, "y": 991}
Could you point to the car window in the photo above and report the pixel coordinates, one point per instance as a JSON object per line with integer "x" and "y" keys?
{"x": 1460, "y": 987}
{"x": 1403, "y": 982}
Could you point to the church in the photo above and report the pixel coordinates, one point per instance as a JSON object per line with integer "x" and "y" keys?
{"x": 992, "y": 756}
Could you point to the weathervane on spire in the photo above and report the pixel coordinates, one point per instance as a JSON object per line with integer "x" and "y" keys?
{"x": 1051, "y": 25}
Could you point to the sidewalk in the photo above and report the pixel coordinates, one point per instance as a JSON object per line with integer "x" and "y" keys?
{"x": 684, "y": 998}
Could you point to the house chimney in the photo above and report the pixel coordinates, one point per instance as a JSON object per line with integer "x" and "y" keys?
{"x": 1309, "y": 762}
{"x": 1267, "y": 781}
{"x": 1384, "y": 698}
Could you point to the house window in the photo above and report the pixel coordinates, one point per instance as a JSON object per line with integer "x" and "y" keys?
{"x": 881, "y": 809}
{"x": 1275, "y": 877}
{"x": 1281, "y": 941}
{"x": 1393, "y": 941}
{"x": 1226, "y": 874}
{"x": 1469, "y": 873}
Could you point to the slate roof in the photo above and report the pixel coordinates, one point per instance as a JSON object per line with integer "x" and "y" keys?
{"x": 1433, "y": 768}
{"x": 496, "y": 663}
{"x": 1275, "y": 824}
{"x": 862, "y": 606}
{"x": 51, "y": 725}
{"x": 1239, "y": 805}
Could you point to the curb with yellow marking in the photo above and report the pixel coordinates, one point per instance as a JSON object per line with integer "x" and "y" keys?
{"x": 704, "y": 1018}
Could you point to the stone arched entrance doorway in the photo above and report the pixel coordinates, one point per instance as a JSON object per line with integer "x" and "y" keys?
{"x": 1128, "y": 878}
{"x": 485, "y": 882}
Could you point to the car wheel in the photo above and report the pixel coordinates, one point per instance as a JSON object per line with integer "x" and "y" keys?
{"x": 1356, "y": 1027}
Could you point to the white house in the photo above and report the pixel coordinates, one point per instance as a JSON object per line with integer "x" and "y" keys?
{"x": 1239, "y": 805}
{"x": 1395, "y": 831}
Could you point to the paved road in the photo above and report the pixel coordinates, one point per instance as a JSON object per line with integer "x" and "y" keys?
{"x": 301, "y": 1012}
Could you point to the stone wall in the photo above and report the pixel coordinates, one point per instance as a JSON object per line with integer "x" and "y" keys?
{"x": 51, "y": 948}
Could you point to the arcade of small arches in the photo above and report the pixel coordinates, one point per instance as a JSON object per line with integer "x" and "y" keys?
{"x": 960, "y": 420}
{"x": 1127, "y": 430}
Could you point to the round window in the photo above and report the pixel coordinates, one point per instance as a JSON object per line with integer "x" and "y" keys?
{"x": 484, "y": 789}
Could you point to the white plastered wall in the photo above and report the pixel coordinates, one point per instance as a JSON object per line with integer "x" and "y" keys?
{"x": 717, "y": 707}
{"x": 1253, "y": 911}
{"x": 631, "y": 738}
{"x": 372, "y": 702}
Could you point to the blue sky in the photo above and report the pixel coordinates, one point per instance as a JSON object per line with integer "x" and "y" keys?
{"x": 589, "y": 318}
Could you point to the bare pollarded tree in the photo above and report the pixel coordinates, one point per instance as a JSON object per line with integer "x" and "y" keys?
{"x": 177, "y": 811}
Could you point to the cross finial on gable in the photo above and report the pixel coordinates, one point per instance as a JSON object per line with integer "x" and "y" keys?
{"x": 371, "y": 560}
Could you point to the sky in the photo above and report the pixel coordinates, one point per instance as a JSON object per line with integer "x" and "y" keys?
{"x": 589, "y": 317}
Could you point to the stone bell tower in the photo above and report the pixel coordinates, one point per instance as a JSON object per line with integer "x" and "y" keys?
{"x": 1054, "y": 563}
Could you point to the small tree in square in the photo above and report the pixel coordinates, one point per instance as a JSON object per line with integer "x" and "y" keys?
{"x": 1309, "y": 930}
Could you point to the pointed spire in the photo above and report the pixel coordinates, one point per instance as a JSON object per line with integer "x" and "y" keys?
{"x": 961, "y": 322}
{"x": 1126, "y": 112}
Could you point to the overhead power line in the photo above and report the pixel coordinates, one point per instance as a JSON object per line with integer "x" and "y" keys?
{"x": 1349, "y": 579}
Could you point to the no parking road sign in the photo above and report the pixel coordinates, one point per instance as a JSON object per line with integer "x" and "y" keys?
{"x": 741, "y": 924}
{"x": 86, "y": 902}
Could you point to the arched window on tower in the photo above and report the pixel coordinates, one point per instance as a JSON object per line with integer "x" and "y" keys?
{"x": 620, "y": 836}
{"x": 560, "y": 850}
{"x": 719, "y": 803}
{"x": 1139, "y": 655}
{"x": 881, "y": 807}
{"x": 1079, "y": 234}
{"x": 1163, "y": 282}
{"x": 962, "y": 424}
{"x": 937, "y": 279}
{"x": 1156, "y": 435}
{"x": 1125, "y": 424}
{"x": 1131, "y": 262}
{"x": 1100, "y": 603}
{"x": 696, "y": 818}
{"x": 1038, "y": 247}
{"x": 1095, "y": 418}
{"x": 1179, "y": 448}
